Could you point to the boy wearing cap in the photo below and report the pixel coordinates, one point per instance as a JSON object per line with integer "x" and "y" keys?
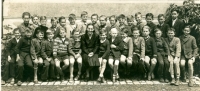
{"x": 47, "y": 55}
{"x": 72, "y": 26}
{"x": 23, "y": 56}
{"x": 83, "y": 23}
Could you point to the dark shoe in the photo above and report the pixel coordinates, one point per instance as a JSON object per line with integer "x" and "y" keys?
{"x": 161, "y": 80}
{"x": 77, "y": 78}
{"x": 87, "y": 79}
{"x": 99, "y": 79}
{"x": 19, "y": 83}
{"x": 102, "y": 79}
{"x": 172, "y": 82}
{"x": 12, "y": 81}
{"x": 166, "y": 80}
{"x": 149, "y": 77}
{"x": 177, "y": 82}
{"x": 191, "y": 83}
{"x": 183, "y": 80}
{"x": 114, "y": 78}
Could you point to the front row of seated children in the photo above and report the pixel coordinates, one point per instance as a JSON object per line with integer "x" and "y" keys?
{"x": 41, "y": 59}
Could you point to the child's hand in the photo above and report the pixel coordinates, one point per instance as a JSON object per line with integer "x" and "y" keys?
{"x": 113, "y": 46}
{"x": 35, "y": 61}
{"x": 142, "y": 59}
{"x": 175, "y": 59}
{"x": 90, "y": 54}
{"x": 18, "y": 58}
{"x": 129, "y": 58}
{"x": 193, "y": 59}
{"x": 9, "y": 58}
{"x": 48, "y": 59}
{"x": 78, "y": 55}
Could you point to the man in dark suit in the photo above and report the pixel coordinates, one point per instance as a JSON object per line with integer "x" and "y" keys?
{"x": 176, "y": 23}
{"x": 162, "y": 25}
{"x": 188, "y": 54}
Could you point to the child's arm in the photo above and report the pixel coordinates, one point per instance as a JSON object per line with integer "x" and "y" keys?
{"x": 9, "y": 47}
{"x": 107, "y": 50}
{"x": 166, "y": 48}
{"x": 43, "y": 53}
{"x": 55, "y": 48}
{"x": 83, "y": 46}
{"x": 70, "y": 48}
{"x": 178, "y": 48}
{"x": 120, "y": 45}
{"x": 130, "y": 42}
{"x": 18, "y": 47}
{"x": 154, "y": 48}
{"x": 142, "y": 45}
{"x": 32, "y": 49}
{"x": 194, "y": 46}
{"x": 96, "y": 46}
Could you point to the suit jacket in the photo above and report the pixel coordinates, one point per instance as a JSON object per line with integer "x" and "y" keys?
{"x": 162, "y": 46}
{"x": 22, "y": 28}
{"x": 139, "y": 46}
{"x": 140, "y": 25}
{"x": 44, "y": 29}
{"x": 128, "y": 45}
{"x": 47, "y": 49}
{"x": 11, "y": 47}
{"x": 55, "y": 31}
{"x": 174, "y": 46}
{"x": 153, "y": 27}
{"x": 90, "y": 45}
{"x": 35, "y": 48}
{"x": 118, "y": 42}
{"x": 164, "y": 29}
{"x": 150, "y": 47}
{"x": 178, "y": 26}
{"x": 189, "y": 46}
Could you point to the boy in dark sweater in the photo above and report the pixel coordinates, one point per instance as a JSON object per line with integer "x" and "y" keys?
{"x": 24, "y": 57}
{"x": 150, "y": 52}
{"x": 149, "y": 19}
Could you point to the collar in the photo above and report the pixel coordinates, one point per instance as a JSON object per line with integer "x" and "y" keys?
{"x": 102, "y": 41}
{"x": 146, "y": 38}
{"x": 174, "y": 20}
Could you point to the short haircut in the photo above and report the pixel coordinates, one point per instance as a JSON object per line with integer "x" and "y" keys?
{"x": 146, "y": 27}
{"x": 149, "y": 15}
{"x": 125, "y": 30}
{"x": 130, "y": 17}
{"x": 113, "y": 16}
{"x": 157, "y": 29}
{"x": 187, "y": 26}
{"x": 84, "y": 13}
{"x": 49, "y": 32}
{"x": 95, "y": 15}
{"x": 138, "y": 13}
{"x": 16, "y": 29}
{"x": 121, "y": 16}
{"x": 175, "y": 10}
{"x": 134, "y": 28}
{"x": 171, "y": 29}
{"x": 102, "y": 31}
{"x": 35, "y": 16}
{"x": 72, "y": 16}
{"x": 29, "y": 30}
{"x": 54, "y": 19}
{"x": 60, "y": 18}
{"x": 184, "y": 2}
{"x": 161, "y": 15}
{"x": 39, "y": 30}
{"x": 103, "y": 17}
{"x": 26, "y": 13}
{"x": 43, "y": 18}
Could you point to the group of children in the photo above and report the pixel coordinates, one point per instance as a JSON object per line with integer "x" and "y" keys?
{"x": 43, "y": 53}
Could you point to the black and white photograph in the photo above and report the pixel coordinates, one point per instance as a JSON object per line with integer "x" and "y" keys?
{"x": 94, "y": 45}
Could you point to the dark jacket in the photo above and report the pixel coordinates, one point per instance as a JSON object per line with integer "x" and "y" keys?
{"x": 23, "y": 45}
{"x": 178, "y": 26}
{"x": 104, "y": 49}
{"x": 162, "y": 46}
{"x": 47, "y": 49}
{"x": 153, "y": 27}
{"x": 150, "y": 47}
{"x": 118, "y": 42}
{"x": 11, "y": 47}
{"x": 164, "y": 29}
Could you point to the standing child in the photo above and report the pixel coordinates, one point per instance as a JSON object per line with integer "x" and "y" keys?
{"x": 116, "y": 45}
{"x": 130, "y": 21}
{"x": 104, "y": 49}
{"x": 61, "y": 48}
{"x": 150, "y": 52}
{"x": 75, "y": 55}
{"x": 174, "y": 45}
{"x": 82, "y": 25}
{"x": 62, "y": 25}
{"x": 188, "y": 54}
{"x": 162, "y": 56}
{"x": 47, "y": 55}
{"x": 126, "y": 56}
{"x": 138, "y": 18}
{"x": 9, "y": 70}
{"x": 72, "y": 25}
{"x": 54, "y": 26}
{"x": 113, "y": 23}
{"x": 43, "y": 22}
{"x": 24, "y": 57}
{"x": 149, "y": 19}
{"x": 162, "y": 25}
{"x": 138, "y": 53}
{"x": 94, "y": 19}
{"x": 122, "y": 21}
{"x": 35, "y": 20}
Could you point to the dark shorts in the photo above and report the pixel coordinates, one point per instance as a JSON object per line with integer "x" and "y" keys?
{"x": 62, "y": 58}
{"x": 114, "y": 58}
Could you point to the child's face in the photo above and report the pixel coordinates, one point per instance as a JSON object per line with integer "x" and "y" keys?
{"x": 158, "y": 34}
{"x": 26, "y": 18}
{"x": 90, "y": 30}
{"x": 40, "y": 35}
{"x": 161, "y": 20}
{"x": 138, "y": 18}
{"x": 94, "y": 19}
{"x": 54, "y": 23}
{"x": 114, "y": 33}
{"x": 174, "y": 15}
{"x": 145, "y": 32}
{"x": 28, "y": 34}
{"x": 35, "y": 20}
{"x": 136, "y": 33}
{"x": 186, "y": 31}
{"x": 149, "y": 19}
{"x": 102, "y": 21}
{"x": 62, "y": 33}
{"x": 112, "y": 21}
{"x": 43, "y": 22}
{"x": 130, "y": 22}
{"x": 50, "y": 36}
{"x": 17, "y": 34}
{"x": 170, "y": 34}
{"x": 63, "y": 22}
{"x": 123, "y": 35}
{"x": 84, "y": 18}
{"x": 72, "y": 21}
{"x": 103, "y": 36}
{"x": 121, "y": 21}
